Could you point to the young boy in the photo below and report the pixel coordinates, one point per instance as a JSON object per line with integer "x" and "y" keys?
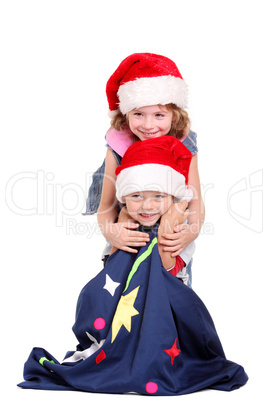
{"x": 152, "y": 176}
{"x": 141, "y": 330}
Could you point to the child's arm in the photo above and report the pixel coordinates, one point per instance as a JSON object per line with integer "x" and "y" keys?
{"x": 123, "y": 217}
{"x": 185, "y": 233}
{"x": 120, "y": 234}
{"x": 176, "y": 215}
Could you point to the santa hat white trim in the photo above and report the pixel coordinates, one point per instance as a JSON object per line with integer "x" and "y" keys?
{"x": 148, "y": 91}
{"x": 112, "y": 113}
{"x": 140, "y": 178}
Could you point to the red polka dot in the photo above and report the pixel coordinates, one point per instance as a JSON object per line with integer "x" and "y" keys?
{"x": 151, "y": 387}
{"x": 99, "y": 323}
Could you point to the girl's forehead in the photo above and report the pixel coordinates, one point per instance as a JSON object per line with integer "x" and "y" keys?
{"x": 151, "y": 108}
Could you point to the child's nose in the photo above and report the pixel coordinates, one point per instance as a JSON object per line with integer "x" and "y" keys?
{"x": 148, "y": 122}
{"x": 148, "y": 204}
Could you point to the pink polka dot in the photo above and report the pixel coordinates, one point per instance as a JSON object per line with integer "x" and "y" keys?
{"x": 99, "y": 323}
{"x": 151, "y": 387}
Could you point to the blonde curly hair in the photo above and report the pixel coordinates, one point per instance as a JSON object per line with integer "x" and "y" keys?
{"x": 179, "y": 127}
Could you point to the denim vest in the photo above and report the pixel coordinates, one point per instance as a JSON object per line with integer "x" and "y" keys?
{"x": 95, "y": 189}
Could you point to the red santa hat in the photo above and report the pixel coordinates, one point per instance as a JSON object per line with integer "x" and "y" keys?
{"x": 157, "y": 164}
{"x": 145, "y": 79}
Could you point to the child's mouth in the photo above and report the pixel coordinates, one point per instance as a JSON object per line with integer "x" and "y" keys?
{"x": 149, "y": 134}
{"x": 148, "y": 216}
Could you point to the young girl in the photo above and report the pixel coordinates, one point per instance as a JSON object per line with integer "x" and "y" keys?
{"x": 140, "y": 329}
{"x": 147, "y": 97}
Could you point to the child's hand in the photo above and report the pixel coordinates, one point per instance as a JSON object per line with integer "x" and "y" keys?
{"x": 123, "y": 236}
{"x": 176, "y": 242}
{"x": 176, "y": 235}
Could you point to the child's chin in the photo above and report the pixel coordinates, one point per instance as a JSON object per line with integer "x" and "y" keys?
{"x": 148, "y": 223}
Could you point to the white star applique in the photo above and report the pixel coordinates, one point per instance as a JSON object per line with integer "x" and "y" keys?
{"x": 110, "y": 285}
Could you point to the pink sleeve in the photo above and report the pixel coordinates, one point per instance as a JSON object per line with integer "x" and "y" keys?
{"x": 119, "y": 141}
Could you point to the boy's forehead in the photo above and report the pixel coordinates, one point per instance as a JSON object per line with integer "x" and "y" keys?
{"x": 147, "y": 193}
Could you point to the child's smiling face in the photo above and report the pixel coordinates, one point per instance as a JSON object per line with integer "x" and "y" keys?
{"x": 148, "y": 206}
{"x": 150, "y": 121}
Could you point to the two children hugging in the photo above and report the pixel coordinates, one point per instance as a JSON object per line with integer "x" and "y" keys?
{"x": 147, "y": 99}
{"x": 140, "y": 329}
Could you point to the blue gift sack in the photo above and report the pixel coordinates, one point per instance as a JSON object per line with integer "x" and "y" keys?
{"x": 139, "y": 330}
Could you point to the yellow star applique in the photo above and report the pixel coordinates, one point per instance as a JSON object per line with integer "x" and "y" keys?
{"x": 125, "y": 310}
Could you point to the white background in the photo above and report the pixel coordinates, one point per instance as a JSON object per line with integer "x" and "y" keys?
{"x": 56, "y": 57}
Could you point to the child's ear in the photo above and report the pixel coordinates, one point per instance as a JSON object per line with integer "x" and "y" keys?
{"x": 124, "y": 199}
